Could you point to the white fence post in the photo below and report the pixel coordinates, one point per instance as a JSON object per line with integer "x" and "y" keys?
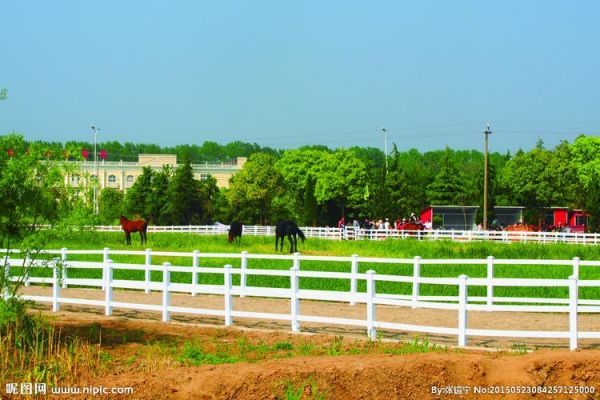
{"x": 296, "y": 260}
{"x": 371, "y": 332}
{"x": 195, "y": 264}
{"x": 576, "y": 267}
{"x": 490, "y": 282}
{"x": 105, "y": 258}
{"x": 63, "y": 258}
{"x": 462, "y": 311}
{"x": 227, "y": 293}
{"x": 27, "y": 269}
{"x": 147, "y": 272}
{"x": 354, "y": 271}
{"x": 573, "y": 300}
{"x": 243, "y": 267}
{"x": 416, "y": 275}
{"x": 108, "y": 290}
{"x": 166, "y": 296}
{"x": 6, "y": 277}
{"x": 55, "y": 286}
{"x": 294, "y": 302}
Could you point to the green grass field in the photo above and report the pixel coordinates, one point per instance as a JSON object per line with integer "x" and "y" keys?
{"x": 391, "y": 248}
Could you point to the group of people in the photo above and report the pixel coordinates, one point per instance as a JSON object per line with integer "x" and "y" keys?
{"x": 379, "y": 224}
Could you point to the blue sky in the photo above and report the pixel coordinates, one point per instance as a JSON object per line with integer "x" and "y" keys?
{"x": 286, "y": 74}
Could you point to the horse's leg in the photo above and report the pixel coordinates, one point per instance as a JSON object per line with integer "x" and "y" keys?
{"x": 295, "y": 243}
{"x": 291, "y": 242}
{"x": 128, "y": 238}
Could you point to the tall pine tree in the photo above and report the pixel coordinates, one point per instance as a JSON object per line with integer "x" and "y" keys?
{"x": 184, "y": 204}
{"x": 448, "y": 188}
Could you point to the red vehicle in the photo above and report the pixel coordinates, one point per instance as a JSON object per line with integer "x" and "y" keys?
{"x": 561, "y": 218}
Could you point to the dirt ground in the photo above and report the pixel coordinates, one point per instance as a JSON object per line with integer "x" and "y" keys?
{"x": 404, "y": 315}
{"x": 373, "y": 376}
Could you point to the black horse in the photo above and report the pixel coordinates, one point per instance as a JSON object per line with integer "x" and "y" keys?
{"x": 235, "y": 232}
{"x": 291, "y": 230}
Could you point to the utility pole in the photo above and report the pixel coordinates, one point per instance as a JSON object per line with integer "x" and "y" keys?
{"x": 486, "y": 133}
{"x": 95, "y": 183}
{"x": 385, "y": 148}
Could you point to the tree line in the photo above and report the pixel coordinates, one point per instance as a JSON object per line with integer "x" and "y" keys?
{"x": 316, "y": 185}
{"x": 209, "y": 151}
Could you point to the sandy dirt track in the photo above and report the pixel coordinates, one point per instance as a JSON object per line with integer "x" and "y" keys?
{"x": 406, "y": 315}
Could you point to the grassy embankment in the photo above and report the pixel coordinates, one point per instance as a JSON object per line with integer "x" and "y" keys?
{"x": 395, "y": 248}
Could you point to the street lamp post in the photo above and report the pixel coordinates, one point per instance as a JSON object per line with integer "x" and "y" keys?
{"x": 95, "y": 168}
{"x": 385, "y": 148}
{"x": 486, "y": 133}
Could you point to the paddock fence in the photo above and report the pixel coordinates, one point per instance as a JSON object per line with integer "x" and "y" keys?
{"x": 350, "y": 233}
{"x": 62, "y": 267}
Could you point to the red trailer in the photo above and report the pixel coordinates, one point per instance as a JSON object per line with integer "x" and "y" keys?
{"x": 572, "y": 220}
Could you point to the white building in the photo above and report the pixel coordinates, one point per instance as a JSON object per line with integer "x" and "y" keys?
{"x": 121, "y": 175}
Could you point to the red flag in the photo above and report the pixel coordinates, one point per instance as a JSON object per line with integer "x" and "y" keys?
{"x": 85, "y": 153}
{"x": 103, "y": 154}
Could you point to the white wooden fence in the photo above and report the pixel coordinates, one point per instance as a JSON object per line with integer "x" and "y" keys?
{"x": 462, "y": 303}
{"x": 350, "y": 233}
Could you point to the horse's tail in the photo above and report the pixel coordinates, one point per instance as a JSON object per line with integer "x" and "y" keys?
{"x": 301, "y": 235}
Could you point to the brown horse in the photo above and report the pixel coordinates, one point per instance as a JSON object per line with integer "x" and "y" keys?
{"x": 521, "y": 227}
{"x": 139, "y": 225}
{"x": 411, "y": 226}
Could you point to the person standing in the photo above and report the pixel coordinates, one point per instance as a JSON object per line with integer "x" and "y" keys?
{"x": 356, "y": 228}
{"x": 342, "y": 227}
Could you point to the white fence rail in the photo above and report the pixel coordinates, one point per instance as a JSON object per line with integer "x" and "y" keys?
{"x": 462, "y": 304}
{"x": 350, "y": 233}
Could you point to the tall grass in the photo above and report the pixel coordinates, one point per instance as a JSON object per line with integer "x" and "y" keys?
{"x": 33, "y": 350}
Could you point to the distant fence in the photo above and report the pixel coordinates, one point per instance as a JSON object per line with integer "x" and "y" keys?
{"x": 571, "y": 305}
{"x": 350, "y": 233}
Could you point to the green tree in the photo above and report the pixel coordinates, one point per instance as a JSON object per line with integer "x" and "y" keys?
{"x": 342, "y": 181}
{"x": 253, "y": 189}
{"x": 158, "y": 197}
{"x": 298, "y": 167}
{"x": 138, "y": 198}
{"x": 111, "y": 206}
{"x": 448, "y": 187}
{"x": 184, "y": 204}
{"x": 311, "y": 207}
{"x": 222, "y": 208}
{"x": 209, "y": 196}
{"x": 540, "y": 179}
{"x": 32, "y": 193}
{"x": 586, "y": 161}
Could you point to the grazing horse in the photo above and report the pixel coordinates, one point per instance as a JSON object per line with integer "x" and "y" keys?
{"x": 291, "y": 230}
{"x": 235, "y": 232}
{"x": 139, "y": 225}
